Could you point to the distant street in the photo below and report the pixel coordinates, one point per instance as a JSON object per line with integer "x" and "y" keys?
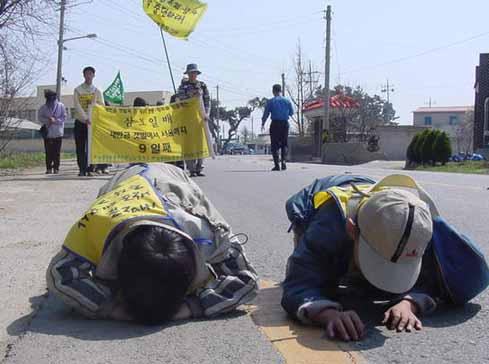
{"x": 37, "y": 210}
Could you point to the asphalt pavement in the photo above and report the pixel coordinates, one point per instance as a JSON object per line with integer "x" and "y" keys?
{"x": 36, "y": 211}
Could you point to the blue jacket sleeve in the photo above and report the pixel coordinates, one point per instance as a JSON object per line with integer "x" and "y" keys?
{"x": 317, "y": 264}
{"x": 291, "y": 108}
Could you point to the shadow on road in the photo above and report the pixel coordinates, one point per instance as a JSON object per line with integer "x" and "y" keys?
{"x": 52, "y": 317}
{"x": 55, "y": 178}
{"x": 248, "y": 171}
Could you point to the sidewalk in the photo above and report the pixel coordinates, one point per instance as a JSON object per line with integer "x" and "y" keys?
{"x": 36, "y": 211}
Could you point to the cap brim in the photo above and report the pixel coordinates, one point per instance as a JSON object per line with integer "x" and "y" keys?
{"x": 187, "y": 72}
{"x": 385, "y": 275}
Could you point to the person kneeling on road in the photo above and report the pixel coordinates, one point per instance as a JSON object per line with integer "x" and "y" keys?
{"x": 151, "y": 248}
{"x": 375, "y": 242}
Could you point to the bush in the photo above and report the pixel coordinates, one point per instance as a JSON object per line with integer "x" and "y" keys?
{"x": 427, "y": 147}
{"x": 418, "y": 147}
{"x": 442, "y": 149}
{"x": 411, "y": 155}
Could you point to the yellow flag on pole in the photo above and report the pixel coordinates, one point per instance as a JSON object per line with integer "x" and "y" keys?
{"x": 176, "y": 17}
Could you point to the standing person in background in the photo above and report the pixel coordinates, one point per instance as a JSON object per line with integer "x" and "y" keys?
{"x": 139, "y": 102}
{"x": 53, "y": 115}
{"x": 85, "y": 96}
{"x": 191, "y": 87}
{"x": 280, "y": 109}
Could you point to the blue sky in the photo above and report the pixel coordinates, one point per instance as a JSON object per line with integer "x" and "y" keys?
{"x": 425, "y": 48}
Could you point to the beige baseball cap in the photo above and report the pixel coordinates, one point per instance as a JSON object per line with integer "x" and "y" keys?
{"x": 395, "y": 228}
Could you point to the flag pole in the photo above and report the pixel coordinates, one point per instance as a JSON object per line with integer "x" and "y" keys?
{"x": 168, "y": 60}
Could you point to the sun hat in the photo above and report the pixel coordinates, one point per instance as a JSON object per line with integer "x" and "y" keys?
{"x": 192, "y": 67}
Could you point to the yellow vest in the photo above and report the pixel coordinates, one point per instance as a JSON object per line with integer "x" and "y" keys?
{"x": 341, "y": 195}
{"x": 132, "y": 199}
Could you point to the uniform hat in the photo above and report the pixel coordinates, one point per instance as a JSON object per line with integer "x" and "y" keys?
{"x": 395, "y": 228}
{"x": 192, "y": 67}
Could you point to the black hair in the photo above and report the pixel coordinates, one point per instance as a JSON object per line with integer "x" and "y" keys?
{"x": 49, "y": 94}
{"x": 139, "y": 101}
{"x": 89, "y": 68}
{"x": 276, "y": 88}
{"x": 156, "y": 268}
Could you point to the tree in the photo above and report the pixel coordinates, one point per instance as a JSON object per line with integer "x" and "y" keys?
{"x": 464, "y": 134}
{"x": 427, "y": 155}
{"x": 442, "y": 148}
{"x": 418, "y": 147}
{"x": 246, "y": 134}
{"x": 411, "y": 154}
{"x": 301, "y": 90}
{"x": 237, "y": 115}
{"x": 213, "y": 125}
{"x": 22, "y": 24}
{"x": 362, "y": 122}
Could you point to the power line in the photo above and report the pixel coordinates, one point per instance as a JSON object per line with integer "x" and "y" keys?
{"x": 420, "y": 54}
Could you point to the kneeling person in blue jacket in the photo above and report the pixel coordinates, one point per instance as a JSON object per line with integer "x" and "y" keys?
{"x": 389, "y": 239}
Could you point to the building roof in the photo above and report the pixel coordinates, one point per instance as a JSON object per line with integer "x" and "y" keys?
{"x": 444, "y": 109}
{"x": 335, "y": 101}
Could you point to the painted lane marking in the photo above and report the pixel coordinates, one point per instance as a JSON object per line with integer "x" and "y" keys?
{"x": 298, "y": 344}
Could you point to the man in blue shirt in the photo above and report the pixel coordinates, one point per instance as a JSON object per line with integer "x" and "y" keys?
{"x": 280, "y": 109}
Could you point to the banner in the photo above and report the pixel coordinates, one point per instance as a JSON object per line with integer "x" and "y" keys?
{"x": 115, "y": 92}
{"x": 176, "y": 17}
{"x": 149, "y": 134}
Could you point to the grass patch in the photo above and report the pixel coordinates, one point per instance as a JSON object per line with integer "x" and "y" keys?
{"x": 475, "y": 167}
{"x": 26, "y": 160}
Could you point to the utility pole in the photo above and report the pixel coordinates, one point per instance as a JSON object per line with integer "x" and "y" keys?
{"x": 325, "y": 123}
{"x": 60, "y": 48}
{"x": 217, "y": 121}
{"x": 283, "y": 84}
{"x": 387, "y": 88}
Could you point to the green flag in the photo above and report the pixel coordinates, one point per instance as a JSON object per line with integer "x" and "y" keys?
{"x": 115, "y": 92}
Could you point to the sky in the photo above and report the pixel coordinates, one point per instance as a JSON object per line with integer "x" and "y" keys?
{"x": 426, "y": 49}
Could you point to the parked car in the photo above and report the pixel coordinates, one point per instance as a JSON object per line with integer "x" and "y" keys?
{"x": 237, "y": 149}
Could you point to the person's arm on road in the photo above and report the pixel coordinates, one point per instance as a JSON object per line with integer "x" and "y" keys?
{"x": 420, "y": 301}
{"x": 70, "y": 279}
{"x": 314, "y": 270}
{"x": 236, "y": 284}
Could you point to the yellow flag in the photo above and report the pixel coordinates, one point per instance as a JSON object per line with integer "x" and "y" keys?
{"x": 167, "y": 133}
{"x": 177, "y": 17}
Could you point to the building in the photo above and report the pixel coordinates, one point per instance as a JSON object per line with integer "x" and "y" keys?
{"x": 447, "y": 119}
{"x": 481, "y": 111}
{"x": 25, "y": 108}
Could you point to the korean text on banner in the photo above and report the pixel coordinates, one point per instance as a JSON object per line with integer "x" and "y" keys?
{"x": 148, "y": 134}
{"x": 176, "y": 17}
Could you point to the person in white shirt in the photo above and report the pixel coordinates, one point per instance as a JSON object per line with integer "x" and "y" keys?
{"x": 85, "y": 96}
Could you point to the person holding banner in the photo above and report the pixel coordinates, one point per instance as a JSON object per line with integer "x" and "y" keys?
{"x": 152, "y": 248}
{"x": 191, "y": 87}
{"x": 85, "y": 96}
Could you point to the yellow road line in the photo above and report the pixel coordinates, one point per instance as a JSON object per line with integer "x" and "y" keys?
{"x": 297, "y": 343}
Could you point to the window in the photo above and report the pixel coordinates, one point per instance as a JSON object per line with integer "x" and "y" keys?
{"x": 453, "y": 120}
{"x": 427, "y": 120}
